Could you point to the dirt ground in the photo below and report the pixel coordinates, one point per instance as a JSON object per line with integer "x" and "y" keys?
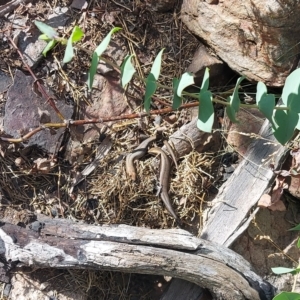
{"x": 44, "y": 173}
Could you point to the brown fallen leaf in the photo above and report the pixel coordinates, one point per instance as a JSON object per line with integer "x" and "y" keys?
{"x": 42, "y": 165}
{"x": 273, "y": 201}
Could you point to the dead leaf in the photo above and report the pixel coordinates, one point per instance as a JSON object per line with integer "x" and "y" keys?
{"x": 264, "y": 201}
{"x": 273, "y": 201}
{"x": 42, "y": 165}
{"x": 296, "y": 160}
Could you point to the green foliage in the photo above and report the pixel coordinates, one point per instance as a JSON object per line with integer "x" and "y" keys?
{"x": 97, "y": 53}
{"x": 151, "y": 81}
{"x": 127, "y": 70}
{"x": 185, "y": 80}
{"x": 76, "y": 36}
{"x": 48, "y": 31}
{"x": 285, "y": 124}
{"x": 205, "y": 110}
{"x": 155, "y": 69}
{"x": 49, "y": 46}
{"x": 151, "y": 86}
{"x": 265, "y": 102}
{"x": 284, "y": 119}
{"x": 176, "y": 98}
{"x": 287, "y": 296}
{"x": 234, "y": 102}
{"x": 282, "y": 270}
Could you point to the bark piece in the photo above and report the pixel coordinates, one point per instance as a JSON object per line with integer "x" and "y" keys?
{"x": 59, "y": 244}
{"x": 257, "y": 39}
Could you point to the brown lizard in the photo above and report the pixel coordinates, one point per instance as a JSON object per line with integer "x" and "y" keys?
{"x": 164, "y": 180}
{"x": 136, "y": 154}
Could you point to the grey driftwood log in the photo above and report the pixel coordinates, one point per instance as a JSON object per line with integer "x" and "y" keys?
{"x": 234, "y": 206}
{"x": 59, "y": 243}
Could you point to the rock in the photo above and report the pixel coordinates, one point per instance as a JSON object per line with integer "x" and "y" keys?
{"x": 219, "y": 72}
{"x": 22, "y": 113}
{"x": 32, "y": 47}
{"x": 257, "y": 39}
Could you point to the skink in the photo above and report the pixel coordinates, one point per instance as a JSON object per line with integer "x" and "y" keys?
{"x": 136, "y": 154}
{"x": 172, "y": 153}
{"x": 164, "y": 179}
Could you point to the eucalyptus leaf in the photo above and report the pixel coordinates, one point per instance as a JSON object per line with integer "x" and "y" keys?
{"x": 205, "y": 81}
{"x": 105, "y": 42}
{"x": 93, "y": 70}
{"x": 295, "y": 228}
{"x": 127, "y": 70}
{"x": 234, "y": 98}
{"x": 46, "y": 29}
{"x": 265, "y": 102}
{"x": 287, "y": 296}
{"x": 151, "y": 86}
{"x": 285, "y": 122}
{"x": 231, "y": 114}
{"x": 76, "y": 35}
{"x": 206, "y": 111}
{"x": 49, "y": 46}
{"x": 176, "y": 99}
{"x": 186, "y": 80}
{"x": 155, "y": 69}
{"x": 291, "y": 91}
{"x": 282, "y": 270}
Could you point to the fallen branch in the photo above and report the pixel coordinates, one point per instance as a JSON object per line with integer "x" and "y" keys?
{"x": 59, "y": 243}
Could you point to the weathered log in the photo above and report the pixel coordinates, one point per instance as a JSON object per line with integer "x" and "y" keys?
{"x": 59, "y": 243}
{"x": 237, "y": 197}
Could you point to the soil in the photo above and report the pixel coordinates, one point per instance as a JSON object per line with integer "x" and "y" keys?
{"x": 44, "y": 173}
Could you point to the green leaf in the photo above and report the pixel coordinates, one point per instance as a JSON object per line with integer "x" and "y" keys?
{"x": 282, "y": 270}
{"x": 265, "y": 102}
{"x": 285, "y": 124}
{"x": 127, "y": 70}
{"x": 291, "y": 91}
{"x": 205, "y": 81}
{"x": 295, "y": 228}
{"x": 104, "y": 44}
{"x": 231, "y": 113}
{"x": 206, "y": 111}
{"x": 185, "y": 80}
{"x": 76, "y": 35}
{"x": 155, "y": 70}
{"x": 69, "y": 52}
{"x": 298, "y": 243}
{"x": 44, "y": 37}
{"x": 49, "y": 46}
{"x": 287, "y": 296}
{"x": 176, "y": 99}
{"x": 95, "y": 58}
{"x": 151, "y": 86}
{"x": 46, "y": 29}
{"x": 93, "y": 70}
{"x": 234, "y": 98}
